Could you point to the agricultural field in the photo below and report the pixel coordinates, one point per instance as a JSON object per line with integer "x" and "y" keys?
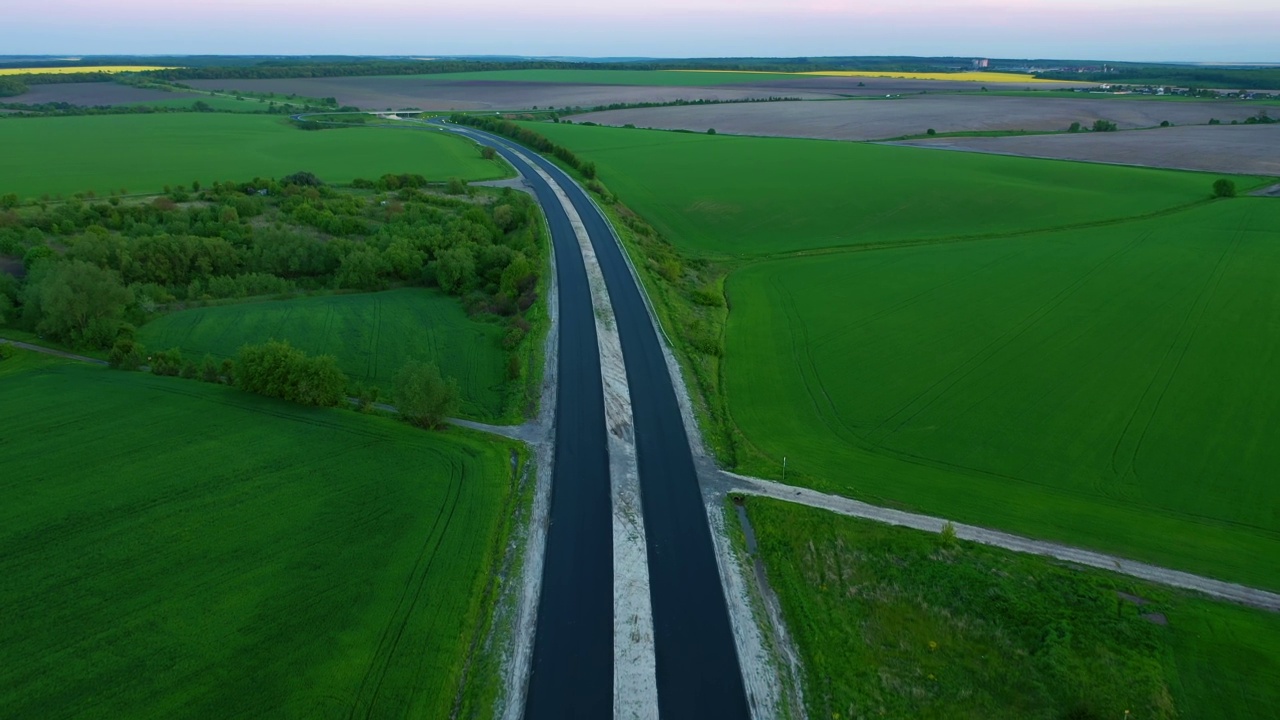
{"x": 915, "y": 114}
{"x": 143, "y": 153}
{"x": 738, "y": 197}
{"x": 66, "y": 70}
{"x": 1253, "y": 149}
{"x": 527, "y": 89}
{"x": 234, "y": 556}
{"x": 373, "y": 335}
{"x": 1093, "y": 370}
{"x": 899, "y": 623}
{"x": 94, "y": 94}
{"x": 1110, "y": 387}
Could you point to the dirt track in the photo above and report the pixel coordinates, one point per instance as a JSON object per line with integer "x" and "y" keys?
{"x": 1244, "y": 149}
{"x": 912, "y": 115}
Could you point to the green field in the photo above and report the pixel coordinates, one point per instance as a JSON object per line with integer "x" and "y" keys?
{"x": 176, "y": 549}
{"x": 1095, "y": 370}
{"x": 143, "y": 153}
{"x": 372, "y": 335}
{"x": 1113, "y": 387}
{"x": 891, "y": 622}
{"x": 739, "y": 197}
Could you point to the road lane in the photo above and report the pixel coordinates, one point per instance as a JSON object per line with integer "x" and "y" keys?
{"x": 572, "y": 671}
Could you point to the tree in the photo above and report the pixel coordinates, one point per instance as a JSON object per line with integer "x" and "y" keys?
{"x": 1224, "y": 188}
{"x": 1075, "y": 128}
{"x": 276, "y": 369}
{"x": 488, "y": 153}
{"x": 423, "y": 397}
{"x": 930, "y": 131}
{"x": 1104, "y": 126}
{"x": 76, "y": 302}
{"x": 455, "y": 269}
{"x": 456, "y": 186}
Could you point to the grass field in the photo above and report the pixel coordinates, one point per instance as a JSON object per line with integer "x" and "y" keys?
{"x": 232, "y": 556}
{"x": 890, "y": 622}
{"x": 740, "y": 197}
{"x": 143, "y": 153}
{"x": 87, "y": 69}
{"x": 372, "y": 335}
{"x": 1112, "y": 387}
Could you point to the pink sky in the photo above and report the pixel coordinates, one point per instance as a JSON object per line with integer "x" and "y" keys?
{"x": 1194, "y": 30}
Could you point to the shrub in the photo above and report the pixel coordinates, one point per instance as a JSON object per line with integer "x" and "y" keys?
{"x": 711, "y": 131}
{"x": 166, "y": 362}
{"x": 1224, "y": 188}
{"x": 930, "y": 131}
{"x": 1075, "y": 128}
{"x": 209, "y": 370}
{"x": 1164, "y": 123}
{"x": 423, "y": 397}
{"x": 456, "y": 186}
{"x": 276, "y": 369}
{"x": 189, "y": 371}
{"x": 126, "y": 354}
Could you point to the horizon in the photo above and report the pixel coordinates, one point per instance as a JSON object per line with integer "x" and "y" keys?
{"x": 1155, "y": 31}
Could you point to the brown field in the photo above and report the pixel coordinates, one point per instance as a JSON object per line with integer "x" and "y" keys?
{"x": 99, "y": 93}
{"x": 438, "y": 93}
{"x": 915, "y": 114}
{"x": 382, "y": 93}
{"x": 1244, "y": 149}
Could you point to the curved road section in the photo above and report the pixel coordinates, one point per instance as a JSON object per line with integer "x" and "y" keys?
{"x": 696, "y": 661}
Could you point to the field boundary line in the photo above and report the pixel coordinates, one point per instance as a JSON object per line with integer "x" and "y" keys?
{"x": 734, "y": 484}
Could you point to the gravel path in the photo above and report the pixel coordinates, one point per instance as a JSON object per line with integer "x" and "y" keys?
{"x": 728, "y": 482}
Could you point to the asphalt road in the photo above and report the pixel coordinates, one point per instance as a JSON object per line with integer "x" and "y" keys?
{"x": 572, "y": 669}
{"x": 697, "y": 665}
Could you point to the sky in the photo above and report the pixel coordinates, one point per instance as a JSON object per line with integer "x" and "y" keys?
{"x": 1152, "y": 30}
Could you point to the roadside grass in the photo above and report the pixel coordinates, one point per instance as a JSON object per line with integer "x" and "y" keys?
{"x": 143, "y": 153}
{"x": 372, "y": 335}
{"x": 229, "y": 555}
{"x": 1111, "y": 388}
{"x": 892, "y": 622}
{"x": 727, "y": 197}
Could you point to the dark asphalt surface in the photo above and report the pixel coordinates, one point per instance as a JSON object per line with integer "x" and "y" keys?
{"x": 572, "y": 673}
{"x": 698, "y": 675}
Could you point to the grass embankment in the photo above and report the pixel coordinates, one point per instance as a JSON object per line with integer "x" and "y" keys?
{"x": 372, "y": 336}
{"x": 897, "y": 623}
{"x": 1104, "y": 386}
{"x": 143, "y": 153}
{"x": 230, "y": 555}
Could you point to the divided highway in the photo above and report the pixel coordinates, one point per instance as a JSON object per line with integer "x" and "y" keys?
{"x": 698, "y": 675}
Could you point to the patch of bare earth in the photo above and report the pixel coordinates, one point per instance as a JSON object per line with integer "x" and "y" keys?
{"x": 93, "y": 94}
{"x": 1244, "y": 149}
{"x": 12, "y": 266}
{"x": 916, "y": 114}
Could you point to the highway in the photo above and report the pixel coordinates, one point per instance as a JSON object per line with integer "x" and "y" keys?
{"x": 572, "y": 672}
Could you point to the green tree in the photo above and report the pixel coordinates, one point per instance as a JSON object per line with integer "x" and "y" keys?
{"x": 423, "y": 397}
{"x": 126, "y": 354}
{"x": 488, "y": 153}
{"x": 1224, "y": 188}
{"x": 276, "y": 369}
{"x": 456, "y": 186}
{"x": 76, "y": 302}
{"x": 456, "y": 269}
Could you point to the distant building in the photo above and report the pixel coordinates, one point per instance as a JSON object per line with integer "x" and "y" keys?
{"x": 981, "y": 64}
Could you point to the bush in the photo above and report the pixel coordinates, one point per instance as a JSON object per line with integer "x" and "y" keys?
{"x": 209, "y": 370}
{"x": 189, "y": 371}
{"x": 126, "y": 354}
{"x": 456, "y": 186}
{"x": 166, "y": 362}
{"x": 1104, "y": 126}
{"x": 276, "y": 369}
{"x": 423, "y": 397}
{"x": 1075, "y": 128}
{"x": 711, "y": 131}
{"x": 1224, "y": 188}
{"x": 930, "y": 131}
{"x": 1164, "y": 123}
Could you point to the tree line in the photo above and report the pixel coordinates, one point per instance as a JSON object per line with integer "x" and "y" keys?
{"x": 529, "y": 138}
{"x": 97, "y": 267}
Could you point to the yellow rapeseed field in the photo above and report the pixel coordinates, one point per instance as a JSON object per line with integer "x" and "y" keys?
{"x": 86, "y": 69}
